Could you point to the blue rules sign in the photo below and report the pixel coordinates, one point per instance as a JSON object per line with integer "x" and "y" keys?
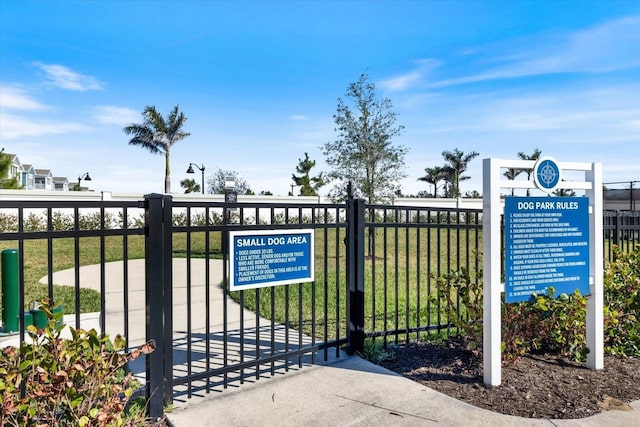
{"x": 546, "y": 245}
{"x": 270, "y": 258}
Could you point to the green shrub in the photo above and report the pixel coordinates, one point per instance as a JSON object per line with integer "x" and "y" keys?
{"x": 460, "y": 299}
{"x": 34, "y": 222}
{"x": 52, "y": 381}
{"x": 622, "y": 303}
{"x": 96, "y": 221}
{"x": 62, "y": 222}
{"x": 375, "y": 351}
{"x": 548, "y": 324}
{"x": 545, "y": 325}
{"x": 8, "y": 222}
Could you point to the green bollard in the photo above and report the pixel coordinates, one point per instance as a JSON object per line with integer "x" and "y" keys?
{"x": 28, "y": 319}
{"x": 39, "y": 318}
{"x": 10, "y": 291}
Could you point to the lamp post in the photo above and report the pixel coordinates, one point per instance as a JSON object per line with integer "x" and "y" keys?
{"x": 201, "y": 169}
{"x": 84, "y": 176}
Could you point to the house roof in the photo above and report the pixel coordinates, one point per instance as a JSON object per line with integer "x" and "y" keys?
{"x": 43, "y": 171}
{"x": 60, "y": 178}
{"x": 27, "y": 167}
{"x": 14, "y": 158}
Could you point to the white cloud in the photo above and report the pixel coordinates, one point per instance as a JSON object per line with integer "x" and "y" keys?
{"x": 625, "y": 169}
{"x": 605, "y": 112}
{"x": 16, "y": 98}
{"x": 111, "y": 114}
{"x": 14, "y": 126}
{"x": 607, "y": 47}
{"x": 66, "y": 78}
{"x": 412, "y": 78}
{"x": 299, "y": 117}
{"x": 402, "y": 82}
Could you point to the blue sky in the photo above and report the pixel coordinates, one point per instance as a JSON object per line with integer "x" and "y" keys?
{"x": 259, "y": 83}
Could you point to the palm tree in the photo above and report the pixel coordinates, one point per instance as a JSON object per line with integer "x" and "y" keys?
{"x": 190, "y": 186}
{"x": 433, "y": 176}
{"x": 511, "y": 174}
{"x": 158, "y": 135}
{"x": 457, "y": 163}
{"x": 564, "y": 192}
{"x": 533, "y": 156}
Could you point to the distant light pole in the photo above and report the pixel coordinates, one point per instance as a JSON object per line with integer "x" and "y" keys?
{"x": 201, "y": 169}
{"x": 84, "y": 176}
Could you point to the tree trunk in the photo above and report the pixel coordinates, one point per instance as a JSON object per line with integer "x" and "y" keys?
{"x": 167, "y": 173}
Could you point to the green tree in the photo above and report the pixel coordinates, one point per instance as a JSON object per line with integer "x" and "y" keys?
{"x": 533, "y": 156}
{"x": 309, "y": 185}
{"x": 190, "y": 186}
{"x": 433, "y": 176}
{"x": 511, "y": 174}
{"x": 456, "y": 164}
{"x": 363, "y": 152}
{"x": 216, "y": 183}
{"x": 6, "y": 181}
{"x": 564, "y": 192}
{"x": 158, "y": 135}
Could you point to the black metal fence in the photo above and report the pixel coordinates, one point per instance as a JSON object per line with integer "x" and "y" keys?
{"x": 409, "y": 249}
{"x": 159, "y": 270}
{"x": 622, "y": 229}
{"x": 64, "y": 235}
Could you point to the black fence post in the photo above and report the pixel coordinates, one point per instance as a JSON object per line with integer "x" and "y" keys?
{"x": 355, "y": 274}
{"x": 167, "y": 298}
{"x": 157, "y": 282}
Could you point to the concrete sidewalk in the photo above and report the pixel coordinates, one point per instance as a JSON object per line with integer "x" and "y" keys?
{"x": 354, "y": 392}
{"x": 347, "y": 391}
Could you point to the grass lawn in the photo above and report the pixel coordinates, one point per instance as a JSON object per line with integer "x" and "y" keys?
{"x": 400, "y": 275}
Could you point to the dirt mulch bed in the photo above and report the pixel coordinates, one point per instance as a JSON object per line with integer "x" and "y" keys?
{"x": 536, "y": 386}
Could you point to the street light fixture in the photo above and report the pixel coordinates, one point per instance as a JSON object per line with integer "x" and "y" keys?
{"x": 84, "y": 176}
{"x": 201, "y": 169}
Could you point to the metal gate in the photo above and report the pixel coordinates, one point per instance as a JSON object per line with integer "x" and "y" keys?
{"x": 208, "y": 338}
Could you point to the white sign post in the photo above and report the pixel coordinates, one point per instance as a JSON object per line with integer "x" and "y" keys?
{"x": 547, "y": 177}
